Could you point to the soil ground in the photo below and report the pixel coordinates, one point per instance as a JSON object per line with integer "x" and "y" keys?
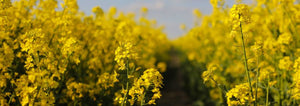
{"x": 173, "y": 93}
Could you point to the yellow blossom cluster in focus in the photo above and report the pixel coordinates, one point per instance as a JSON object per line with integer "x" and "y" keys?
{"x": 53, "y": 54}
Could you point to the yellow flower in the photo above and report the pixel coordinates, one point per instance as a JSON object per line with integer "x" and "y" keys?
{"x": 144, "y": 10}
{"x": 285, "y": 39}
{"x": 239, "y": 95}
{"x": 98, "y": 11}
{"x": 267, "y": 72}
{"x": 25, "y": 101}
{"x": 112, "y": 11}
{"x": 207, "y": 75}
{"x": 5, "y": 4}
{"x": 197, "y": 13}
{"x": 150, "y": 77}
{"x": 125, "y": 52}
{"x": 285, "y": 63}
{"x": 239, "y": 14}
{"x": 162, "y": 67}
{"x": 215, "y": 3}
{"x": 295, "y": 91}
{"x": 297, "y": 64}
{"x": 6, "y": 57}
{"x": 258, "y": 48}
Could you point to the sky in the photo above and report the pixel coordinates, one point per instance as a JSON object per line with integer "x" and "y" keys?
{"x": 170, "y": 13}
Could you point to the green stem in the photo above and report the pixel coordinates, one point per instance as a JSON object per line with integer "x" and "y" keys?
{"x": 256, "y": 86}
{"x": 268, "y": 87}
{"x": 35, "y": 96}
{"x": 142, "y": 101}
{"x": 246, "y": 63}
{"x": 223, "y": 91}
{"x": 127, "y": 83}
{"x": 279, "y": 80}
{"x": 10, "y": 99}
{"x": 281, "y": 89}
{"x": 125, "y": 96}
{"x": 143, "y": 98}
{"x": 222, "y": 87}
{"x": 284, "y": 89}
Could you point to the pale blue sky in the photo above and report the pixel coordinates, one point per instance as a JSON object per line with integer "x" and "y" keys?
{"x": 170, "y": 13}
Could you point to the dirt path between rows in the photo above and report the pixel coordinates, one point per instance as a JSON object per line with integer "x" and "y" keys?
{"x": 173, "y": 93}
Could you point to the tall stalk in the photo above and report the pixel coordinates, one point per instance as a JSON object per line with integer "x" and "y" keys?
{"x": 245, "y": 59}
{"x": 256, "y": 85}
{"x": 127, "y": 83}
{"x": 268, "y": 87}
{"x": 259, "y": 58}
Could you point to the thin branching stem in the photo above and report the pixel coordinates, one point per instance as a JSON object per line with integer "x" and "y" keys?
{"x": 245, "y": 60}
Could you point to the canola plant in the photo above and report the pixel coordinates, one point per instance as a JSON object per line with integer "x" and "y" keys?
{"x": 249, "y": 53}
{"x": 53, "y": 54}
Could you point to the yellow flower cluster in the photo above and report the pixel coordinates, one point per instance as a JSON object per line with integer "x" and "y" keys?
{"x": 124, "y": 53}
{"x": 266, "y": 72}
{"x": 268, "y": 50}
{"x": 285, "y": 39}
{"x": 258, "y": 48}
{"x": 295, "y": 91}
{"x": 5, "y": 4}
{"x": 240, "y": 14}
{"x": 216, "y": 3}
{"x": 209, "y": 74}
{"x": 285, "y": 63}
{"x": 150, "y": 80}
{"x": 239, "y": 95}
{"x": 53, "y": 54}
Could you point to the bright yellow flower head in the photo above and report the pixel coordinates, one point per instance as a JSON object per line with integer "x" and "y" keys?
{"x": 5, "y": 4}
{"x": 297, "y": 64}
{"x": 125, "y": 52}
{"x": 197, "y": 13}
{"x": 97, "y": 11}
{"x": 239, "y": 95}
{"x": 285, "y": 63}
{"x": 239, "y": 14}
{"x": 285, "y": 39}
{"x": 144, "y": 10}
{"x": 258, "y": 48}
{"x": 150, "y": 77}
